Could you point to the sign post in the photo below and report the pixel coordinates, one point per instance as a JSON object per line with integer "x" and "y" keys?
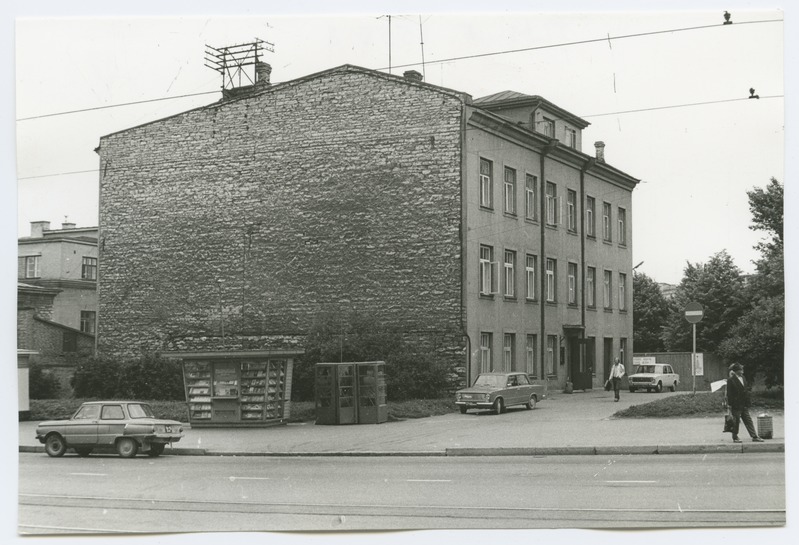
{"x": 693, "y": 314}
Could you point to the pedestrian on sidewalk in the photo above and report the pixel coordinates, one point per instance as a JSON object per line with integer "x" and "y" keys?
{"x": 739, "y": 401}
{"x": 616, "y": 373}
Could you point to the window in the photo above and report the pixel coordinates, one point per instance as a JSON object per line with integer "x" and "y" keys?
{"x": 572, "y": 283}
{"x": 552, "y": 273}
{"x": 88, "y": 270}
{"x": 623, "y": 351}
{"x": 530, "y": 267}
{"x": 485, "y": 352}
{"x": 590, "y": 222}
{"x": 622, "y": 291}
{"x": 112, "y": 412}
{"x": 87, "y": 321}
{"x": 510, "y": 273}
{"x": 530, "y": 197}
{"x": 590, "y": 287}
{"x": 508, "y": 352}
{"x": 608, "y": 293}
{"x": 622, "y": 219}
{"x": 606, "y": 234}
{"x": 486, "y": 183}
{"x": 548, "y": 127}
{"x": 31, "y": 265}
{"x": 571, "y": 209}
{"x": 571, "y": 138}
{"x": 69, "y": 342}
{"x": 487, "y": 264}
{"x": 552, "y": 198}
{"x": 552, "y": 348}
{"x": 510, "y": 190}
{"x": 530, "y": 347}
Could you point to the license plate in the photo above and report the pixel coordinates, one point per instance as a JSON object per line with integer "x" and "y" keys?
{"x": 169, "y": 429}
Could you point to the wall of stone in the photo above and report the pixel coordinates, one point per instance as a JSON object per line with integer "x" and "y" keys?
{"x": 337, "y": 193}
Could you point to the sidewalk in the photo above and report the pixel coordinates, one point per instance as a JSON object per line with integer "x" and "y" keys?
{"x": 578, "y": 423}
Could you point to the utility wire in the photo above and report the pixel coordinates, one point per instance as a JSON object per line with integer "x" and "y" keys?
{"x": 452, "y": 59}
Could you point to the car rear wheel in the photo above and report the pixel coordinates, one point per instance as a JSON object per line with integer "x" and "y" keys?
{"x": 464, "y": 409}
{"x": 127, "y": 447}
{"x": 659, "y": 387}
{"x": 55, "y": 446}
{"x": 156, "y": 450}
{"x": 83, "y": 452}
{"x": 499, "y": 406}
{"x": 632, "y": 390}
{"x": 673, "y": 387}
{"x": 532, "y": 402}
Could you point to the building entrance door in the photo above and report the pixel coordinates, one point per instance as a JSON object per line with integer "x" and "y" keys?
{"x": 607, "y": 358}
{"x": 580, "y": 374}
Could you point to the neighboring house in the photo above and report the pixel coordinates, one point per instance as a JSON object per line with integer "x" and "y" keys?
{"x": 668, "y": 290}
{"x": 64, "y": 259}
{"x": 477, "y": 228}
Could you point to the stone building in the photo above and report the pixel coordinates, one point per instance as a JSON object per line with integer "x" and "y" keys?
{"x": 476, "y": 228}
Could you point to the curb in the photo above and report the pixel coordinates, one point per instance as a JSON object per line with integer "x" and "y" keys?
{"x": 743, "y": 448}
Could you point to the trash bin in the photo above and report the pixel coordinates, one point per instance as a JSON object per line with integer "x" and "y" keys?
{"x": 764, "y": 426}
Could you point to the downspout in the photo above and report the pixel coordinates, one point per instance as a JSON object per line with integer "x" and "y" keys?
{"x": 588, "y": 164}
{"x": 463, "y": 237}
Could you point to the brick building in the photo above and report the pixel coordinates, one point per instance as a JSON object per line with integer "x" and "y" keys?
{"x": 475, "y": 227}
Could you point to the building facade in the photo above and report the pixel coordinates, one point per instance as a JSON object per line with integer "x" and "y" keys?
{"x": 464, "y": 224}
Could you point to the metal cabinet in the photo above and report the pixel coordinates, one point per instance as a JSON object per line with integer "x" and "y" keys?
{"x": 351, "y": 393}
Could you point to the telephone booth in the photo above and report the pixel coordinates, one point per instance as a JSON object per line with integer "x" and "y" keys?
{"x": 351, "y": 393}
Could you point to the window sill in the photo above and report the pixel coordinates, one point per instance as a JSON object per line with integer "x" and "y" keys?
{"x": 591, "y": 237}
{"x": 623, "y": 245}
{"x": 554, "y": 227}
{"x": 488, "y": 296}
{"x": 509, "y": 298}
{"x": 608, "y": 242}
{"x": 608, "y": 310}
{"x": 486, "y": 208}
{"x": 552, "y": 303}
{"x": 531, "y": 220}
{"x": 572, "y": 305}
{"x": 572, "y": 232}
{"x": 593, "y": 309}
{"x": 528, "y": 300}
{"x": 511, "y": 215}
{"x": 622, "y": 311}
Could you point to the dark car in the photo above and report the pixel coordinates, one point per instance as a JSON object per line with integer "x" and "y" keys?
{"x": 125, "y": 426}
{"x": 498, "y": 391}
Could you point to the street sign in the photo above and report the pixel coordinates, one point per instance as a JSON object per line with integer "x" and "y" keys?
{"x": 644, "y": 360}
{"x": 694, "y": 312}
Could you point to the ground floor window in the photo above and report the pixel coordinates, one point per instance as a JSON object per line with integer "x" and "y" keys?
{"x": 485, "y": 352}
{"x": 531, "y": 351}
{"x": 552, "y": 351}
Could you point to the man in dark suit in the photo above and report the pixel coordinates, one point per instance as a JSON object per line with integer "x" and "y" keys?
{"x": 739, "y": 402}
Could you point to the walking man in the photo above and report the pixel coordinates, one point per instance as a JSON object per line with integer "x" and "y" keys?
{"x": 616, "y": 372}
{"x": 739, "y": 402}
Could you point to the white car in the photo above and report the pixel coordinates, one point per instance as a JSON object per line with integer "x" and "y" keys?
{"x": 654, "y": 377}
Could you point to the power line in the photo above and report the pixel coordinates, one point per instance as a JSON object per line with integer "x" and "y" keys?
{"x": 679, "y": 106}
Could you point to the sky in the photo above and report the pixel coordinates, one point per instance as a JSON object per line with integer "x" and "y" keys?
{"x": 671, "y": 107}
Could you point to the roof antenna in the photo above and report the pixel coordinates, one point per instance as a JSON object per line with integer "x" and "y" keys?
{"x": 389, "y": 40}
{"x": 421, "y": 37}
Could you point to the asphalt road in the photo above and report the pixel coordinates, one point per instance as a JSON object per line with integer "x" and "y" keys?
{"x": 107, "y": 494}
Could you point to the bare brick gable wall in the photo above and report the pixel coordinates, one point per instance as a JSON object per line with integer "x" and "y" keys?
{"x": 333, "y": 193}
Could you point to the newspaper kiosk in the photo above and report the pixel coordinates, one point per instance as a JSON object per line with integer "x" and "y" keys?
{"x": 351, "y": 393}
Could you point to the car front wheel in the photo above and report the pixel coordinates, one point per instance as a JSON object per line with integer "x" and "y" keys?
{"x": 127, "y": 447}
{"x": 55, "y": 446}
{"x": 532, "y": 402}
{"x": 499, "y": 406}
{"x": 464, "y": 409}
{"x": 659, "y": 387}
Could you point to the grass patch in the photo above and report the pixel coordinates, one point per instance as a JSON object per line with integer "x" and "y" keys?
{"x": 301, "y": 411}
{"x": 701, "y": 404}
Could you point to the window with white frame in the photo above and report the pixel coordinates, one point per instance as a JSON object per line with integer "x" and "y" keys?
{"x": 552, "y": 274}
{"x": 88, "y": 319}
{"x": 571, "y": 138}
{"x": 530, "y": 197}
{"x": 590, "y": 287}
{"x": 571, "y": 209}
{"x": 485, "y": 352}
{"x": 530, "y": 268}
{"x": 552, "y": 349}
{"x": 487, "y": 281}
{"x": 608, "y": 291}
{"x": 552, "y": 203}
{"x": 572, "y": 272}
{"x": 530, "y": 349}
{"x": 590, "y": 216}
{"x": 510, "y": 190}
{"x": 486, "y": 183}
{"x": 510, "y": 273}
{"x": 622, "y": 291}
{"x": 88, "y": 269}
{"x": 508, "y": 349}
{"x": 606, "y": 212}
{"x": 31, "y": 266}
{"x": 622, "y": 222}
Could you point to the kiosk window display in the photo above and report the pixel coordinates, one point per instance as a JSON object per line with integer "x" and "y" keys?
{"x": 351, "y": 393}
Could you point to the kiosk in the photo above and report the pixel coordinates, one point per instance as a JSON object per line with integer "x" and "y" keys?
{"x": 237, "y": 388}
{"x": 351, "y": 393}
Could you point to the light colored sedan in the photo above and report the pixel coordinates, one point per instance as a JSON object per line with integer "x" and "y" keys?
{"x": 125, "y": 426}
{"x": 498, "y": 391}
{"x": 654, "y": 377}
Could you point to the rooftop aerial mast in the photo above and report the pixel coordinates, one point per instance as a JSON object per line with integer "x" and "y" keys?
{"x": 236, "y": 63}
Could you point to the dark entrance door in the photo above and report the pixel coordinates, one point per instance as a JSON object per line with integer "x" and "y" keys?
{"x": 580, "y": 375}
{"x": 607, "y": 358}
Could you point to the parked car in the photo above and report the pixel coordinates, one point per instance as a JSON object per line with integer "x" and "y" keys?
{"x": 125, "y": 426}
{"x": 654, "y": 377}
{"x": 498, "y": 391}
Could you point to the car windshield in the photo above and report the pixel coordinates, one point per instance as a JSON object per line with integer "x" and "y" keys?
{"x": 140, "y": 410}
{"x": 645, "y": 369}
{"x": 490, "y": 381}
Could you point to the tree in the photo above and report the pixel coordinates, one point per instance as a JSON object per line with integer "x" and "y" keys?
{"x": 650, "y": 313}
{"x": 719, "y": 287}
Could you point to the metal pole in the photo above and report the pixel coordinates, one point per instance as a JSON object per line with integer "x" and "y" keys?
{"x": 693, "y": 359}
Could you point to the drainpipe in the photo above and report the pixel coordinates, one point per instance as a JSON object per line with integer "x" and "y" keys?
{"x": 588, "y": 164}
{"x": 463, "y": 237}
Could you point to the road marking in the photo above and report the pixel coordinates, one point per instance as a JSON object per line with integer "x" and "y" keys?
{"x": 91, "y": 474}
{"x": 428, "y": 480}
{"x": 638, "y": 482}
{"x": 234, "y": 478}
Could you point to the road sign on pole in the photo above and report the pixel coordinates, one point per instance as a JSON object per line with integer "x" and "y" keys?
{"x": 694, "y": 314}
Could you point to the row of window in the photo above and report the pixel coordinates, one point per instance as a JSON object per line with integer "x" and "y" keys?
{"x": 531, "y": 366}
{"x": 553, "y": 208}
{"x": 31, "y": 268}
{"x": 489, "y": 279}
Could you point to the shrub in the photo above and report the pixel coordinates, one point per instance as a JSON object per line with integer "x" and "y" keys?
{"x": 148, "y": 377}
{"x": 42, "y": 384}
{"x": 413, "y": 376}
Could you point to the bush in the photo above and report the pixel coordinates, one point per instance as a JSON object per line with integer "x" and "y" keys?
{"x": 411, "y": 376}
{"x": 148, "y": 377}
{"x": 42, "y": 384}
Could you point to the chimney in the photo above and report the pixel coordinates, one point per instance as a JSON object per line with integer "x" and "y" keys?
{"x": 262, "y": 74}
{"x": 38, "y": 228}
{"x": 412, "y": 75}
{"x": 67, "y": 225}
{"x": 600, "y": 151}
